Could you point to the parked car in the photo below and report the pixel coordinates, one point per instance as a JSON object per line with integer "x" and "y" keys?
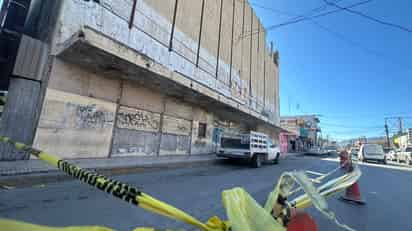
{"x": 317, "y": 151}
{"x": 254, "y": 146}
{"x": 331, "y": 150}
{"x": 371, "y": 152}
{"x": 391, "y": 155}
{"x": 397, "y": 153}
{"x": 406, "y": 155}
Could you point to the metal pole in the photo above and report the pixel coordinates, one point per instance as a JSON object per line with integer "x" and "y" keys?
{"x": 388, "y": 144}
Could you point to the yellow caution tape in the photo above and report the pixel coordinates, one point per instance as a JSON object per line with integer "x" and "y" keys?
{"x": 244, "y": 213}
{"x": 120, "y": 190}
{"x": 9, "y": 225}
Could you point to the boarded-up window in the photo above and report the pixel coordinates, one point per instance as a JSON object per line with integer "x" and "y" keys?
{"x": 202, "y": 130}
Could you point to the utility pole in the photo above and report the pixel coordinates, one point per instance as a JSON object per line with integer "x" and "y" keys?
{"x": 388, "y": 144}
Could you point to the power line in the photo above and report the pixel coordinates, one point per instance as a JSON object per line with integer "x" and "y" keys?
{"x": 360, "y": 47}
{"x": 397, "y": 26}
{"x": 351, "y": 127}
{"x": 300, "y": 19}
{"x": 337, "y": 35}
{"x": 295, "y": 16}
{"x": 363, "y": 115}
{"x": 314, "y": 10}
{"x": 282, "y": 12}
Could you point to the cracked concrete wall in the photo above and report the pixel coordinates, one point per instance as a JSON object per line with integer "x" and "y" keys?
{"x": 274, "y": 135}
{"x": 136, "y": 132}
{"x": 78, "y": 112}
{"x": 205, "y": 144}
{"x": 176, "y": 132}
{"x": 239, "y": 81}
{"x": 188, "y": 24}
{"x": 246, "y": 44}
{"x": 75, "y": 126}
{"x": 71, "y": 78}
{"x": 255, "y": 62}
{"x": 151, "y": 34}
{"x": 96, "y": 114}
{"x": 225, "y": 42}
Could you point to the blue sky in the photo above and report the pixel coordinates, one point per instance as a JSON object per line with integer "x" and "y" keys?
{"x": 354, "y": 74}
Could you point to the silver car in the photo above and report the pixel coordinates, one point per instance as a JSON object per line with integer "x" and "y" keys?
{"x": 331, "y": 150}
{"x": 372, "y": 152}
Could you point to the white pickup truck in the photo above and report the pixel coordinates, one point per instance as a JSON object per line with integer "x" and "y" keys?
{"x": 254, "y": 146}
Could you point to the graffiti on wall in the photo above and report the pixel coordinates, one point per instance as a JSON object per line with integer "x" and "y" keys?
{"x": 138, "y": 119}
{"x": 173, "y": 125}
{"x": 90, "y": 116}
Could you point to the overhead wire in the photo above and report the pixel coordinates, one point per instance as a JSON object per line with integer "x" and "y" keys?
{"x": 374, "y": 19}
{"x": 341, "y": 37}
{"x": 281, "y": 12}
{"x": 304, "y": 18}
{"x": 352, "y": 127}
{"x": 360, "y": 47}
{"x": 300, "y": 18}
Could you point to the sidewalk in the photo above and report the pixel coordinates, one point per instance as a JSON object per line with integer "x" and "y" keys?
{"x": 33, "y": 167}
{"x": 24, "y": 167}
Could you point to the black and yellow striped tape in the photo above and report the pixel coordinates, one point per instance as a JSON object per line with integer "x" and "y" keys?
{"x": 120, "y": 190}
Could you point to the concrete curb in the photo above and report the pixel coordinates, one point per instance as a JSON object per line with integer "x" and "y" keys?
{"x": 34, "y": 166}
{"x": 51, "y": 175}
{"x": 33, "y": 172}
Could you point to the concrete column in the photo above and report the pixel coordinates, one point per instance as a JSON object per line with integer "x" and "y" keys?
{"x": 18, "y": 119}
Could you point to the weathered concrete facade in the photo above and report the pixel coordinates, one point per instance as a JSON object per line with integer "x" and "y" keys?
{"x": 163, "y": 82}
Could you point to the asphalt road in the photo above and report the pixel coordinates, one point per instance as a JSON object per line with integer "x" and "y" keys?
{"x": 197, "y": 190}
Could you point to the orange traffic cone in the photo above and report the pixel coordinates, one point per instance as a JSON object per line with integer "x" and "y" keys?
{"x": 301, "y": 221}
{"x": 352, "y": 194}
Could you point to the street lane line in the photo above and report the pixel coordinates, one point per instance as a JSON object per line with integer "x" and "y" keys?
{"x": 402, "y": 168}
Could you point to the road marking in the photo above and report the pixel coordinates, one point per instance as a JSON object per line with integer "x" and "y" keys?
{"x": 403, "y": 168}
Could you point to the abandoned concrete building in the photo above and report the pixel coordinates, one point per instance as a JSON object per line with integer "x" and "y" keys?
{"x": 111, "y": 78}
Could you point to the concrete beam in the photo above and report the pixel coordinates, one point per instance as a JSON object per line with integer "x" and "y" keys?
{"x": 97, "y": 52}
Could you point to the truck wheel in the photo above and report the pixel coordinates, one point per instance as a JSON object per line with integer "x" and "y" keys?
{"x": 257, "y": 161}
{"x": 276, "y": 160}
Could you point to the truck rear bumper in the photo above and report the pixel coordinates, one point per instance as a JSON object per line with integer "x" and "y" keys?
{"x": 232, "y": 155}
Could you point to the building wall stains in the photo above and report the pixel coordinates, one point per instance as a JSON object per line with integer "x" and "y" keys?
{"x": 135, "y": 119}
{"x": 174, "y": 144}
{"x": 221, "y": 71}
{"x": 128, "y": 142}
{"x": 90, "y": 116}
{"x": 202, "y": 145}
{"x": 177, "y": 126}
{"x": 100, "y": 112}
{"x": 74, "y": 126}
{"x": 136, "y": 132}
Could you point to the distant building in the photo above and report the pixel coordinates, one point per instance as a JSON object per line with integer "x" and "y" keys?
{"x": 404, "y": 140}
{"x": 302, "y": 131}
